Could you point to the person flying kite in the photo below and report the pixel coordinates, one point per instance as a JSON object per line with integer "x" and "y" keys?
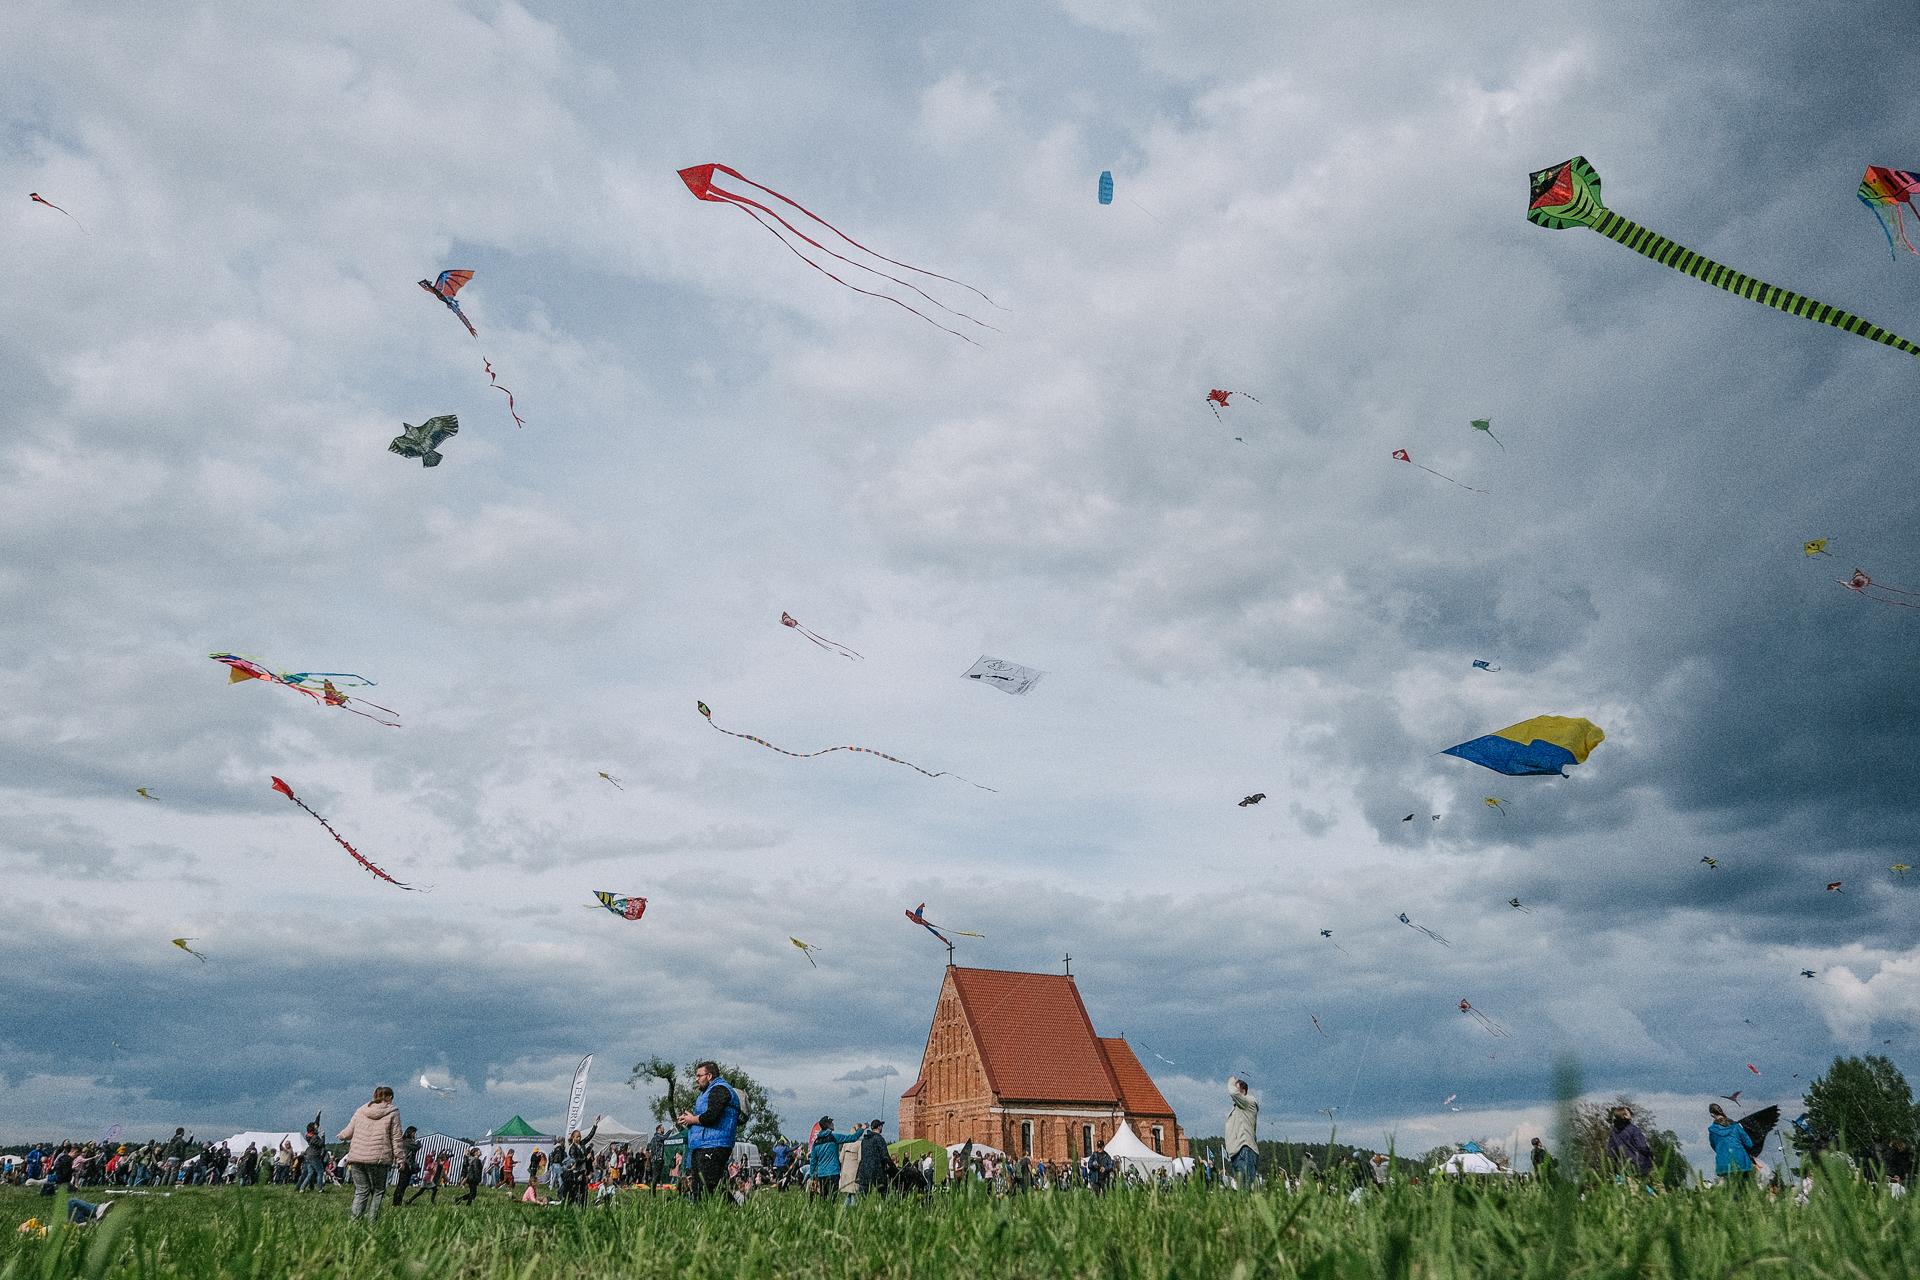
{"x": 1888, "y": 189}
{"x": 700, "y": 181}
{"x": 1542, "y": 746}
{"x": 182, "y": 944}
{"x": 1568, "y": 195}
{"x": 287, "y": 791}
{"x": 625, "y": 908}
{"x": 807, "y": 755}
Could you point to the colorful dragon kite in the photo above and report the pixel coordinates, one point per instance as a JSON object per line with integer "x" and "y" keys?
{"x": 443, "y": 288}
{"x": 1568, "y": 195}
{"x": 1888, "y": 189}
{"x": 317, "y": 685}
{"x": 287, "y": 791}
{"x": 919, "y": 916}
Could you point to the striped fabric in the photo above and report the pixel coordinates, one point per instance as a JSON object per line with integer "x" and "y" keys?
{"x": 1568, "y": 195}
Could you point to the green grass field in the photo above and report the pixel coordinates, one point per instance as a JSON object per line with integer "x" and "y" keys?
{"x": 1425, "y": 1231}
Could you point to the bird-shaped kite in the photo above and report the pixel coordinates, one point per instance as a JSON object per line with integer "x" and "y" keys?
{"x": 182, "y": 944}
{"x": 700, "y": 181}
{"x": 1818, "y": 547}
{"x": 1423, "y": 929}
{"x": 1410, "y": 817}
{"x": 1515, "y": 903}
{"x": 428, "y": 1084}
{"x": 142, "y": 791}
{"x": 1860, "y": 582}
{"x": 1255, "y": 798}
{"x": 1449, "y": 1098}
{"x": 1492, "y": 1027}
{"x": 1806, "y": 973}
{"x": 37, "y": 198}
{"x": 1733, "y": 1097}
{"x": 1401, "y": 455}
{"x": 625, "y": 908}
{"x": 1217, "y": 399}
{"x": 1834, "y": 887}
{"x": 450, "y": 283}
{"x": 1713, "y": 864}
{"x": 615, "y": 781}
{"x": 831, "y": 646}
{"x": 317, "y": 685}
{"x": 423, "y": 441}
{"x": 806, "y": 950}
{"x": 919, "y": 916}
{"x": 1759, "y": 1124}
{"x": 1481, "y": 664}
{"x": 1568, "y": 195}
{"x": 806, "y": 755}
{"x": 287, "y": 791}
{"x": 1542, "y": 746}
{"x": 1888, "y": 189}
{"x": 1328, "y": 935}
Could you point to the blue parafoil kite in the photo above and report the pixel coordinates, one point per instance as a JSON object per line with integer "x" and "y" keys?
{"x": 1106, "y": 186}
{"x": 1542, "y": 745}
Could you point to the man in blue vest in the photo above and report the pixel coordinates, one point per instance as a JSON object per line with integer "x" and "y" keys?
{"x": 710, "y": 1129}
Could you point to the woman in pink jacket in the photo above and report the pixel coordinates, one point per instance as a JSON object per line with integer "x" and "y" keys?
{"x": 374, "y": 1133}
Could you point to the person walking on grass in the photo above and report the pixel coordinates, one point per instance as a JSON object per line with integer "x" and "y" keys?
{"x": 823, "y": 1160}
{"x": 1243, "y": 1133}
{"x": 409, "y": 1164}
{"x": 313, "y": 1166}
{"x": 1627, "y": 1145}
{"x": 876, "y": 1162}
{"x": 471, "y": 1170}
{"x": 375, "y": 1147}
{"x": 711, "y": 1126}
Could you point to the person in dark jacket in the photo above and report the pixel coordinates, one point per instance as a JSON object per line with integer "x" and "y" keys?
{"x": 576, "y": 1166}
{"x": 62, "y": 1171}
{"x": 409, "y": 1163}
{"x": 313, "y": 1164}
{"x": 471, "y": 1171}
{"x": 876, "y": 1163}
{"x": 1100, "y": 1166}
{"x": 711, "y": 1127}
{"x": 1627, "y": 1144}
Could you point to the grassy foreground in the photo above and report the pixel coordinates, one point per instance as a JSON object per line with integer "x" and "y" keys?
{"x": 1425, "y": 1231}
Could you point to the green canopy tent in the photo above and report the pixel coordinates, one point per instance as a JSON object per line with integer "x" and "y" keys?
{"x": 518, "y": 1128}
{"x": 919, "y": 1149}
{"x": 521, "y": 1138}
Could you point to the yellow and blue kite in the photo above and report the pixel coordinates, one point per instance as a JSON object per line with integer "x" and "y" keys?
{"x": 1542, "y": 745}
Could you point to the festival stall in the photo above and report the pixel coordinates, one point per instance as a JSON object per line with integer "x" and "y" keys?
{"x": 521, "y": 1138}
{"x": 1129, "y": 1152}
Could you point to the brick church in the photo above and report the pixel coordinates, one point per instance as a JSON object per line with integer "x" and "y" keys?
{"x": 1013, "y": 1062}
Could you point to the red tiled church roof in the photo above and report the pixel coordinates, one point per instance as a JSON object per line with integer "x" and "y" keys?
{"x": 913, "y": 1090}
{"x": 1137, "y": 1091}
{"x": 1035, "y": 1039}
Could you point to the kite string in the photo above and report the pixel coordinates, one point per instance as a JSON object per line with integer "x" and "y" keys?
{"x": 844, "y": 236}
{"x": 1378, "y": 1004}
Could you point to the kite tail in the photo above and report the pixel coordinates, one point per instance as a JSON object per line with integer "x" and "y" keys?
{"x": 38, "y": 199}
{"x": 287, "y": 791}
{"x": 855, "y": 243}
{"x": 750, "y": 207}
{"x": 808, "y": 755}
{"x": 1680, "y": 258}
{"x": 1897, "y": 226}
{"x": 831, "y": 646}
{"x": 517, "y": 419}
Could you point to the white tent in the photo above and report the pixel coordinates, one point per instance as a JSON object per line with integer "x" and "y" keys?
{"x": 1472, "y": 1162}
{"x": 611, "y": 1130}
{"x": 438, "y": 1142}
{"x": 979, "y": 1149}
{"x": 267, "y": 1142}
{"x": 747, "y": 1153}
{"x": 1128, "y": 1151}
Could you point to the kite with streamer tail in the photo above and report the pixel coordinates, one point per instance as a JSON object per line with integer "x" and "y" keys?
{"x": 807, "y": 755}
{"x": 1886, "y": 190}
{"x": 1217, "y": 400}
{"x": 287, "y": 791}
{"x": 1491, "y": 1026}
{"x": 317, "y": 685}
{"x": 1401, "y": 455}
{"x": 1328, "y": 935}
{"x": 423, "y": 442}
{"x": 1486, "y": 425}
{"x": 1542, "y": 746}
{"x": 1900, "y": 868}
{"x": 806, "y": 949}
{"x": 1515, "y": 904}
{"x": 699, "y": 180}
{"x": 625, "y": 908}
{"x": 443, "y": 288}
{"x": 142, "y": 791}
{"x": 37, "y": 198}
{"x": 428, "y": 1084}
{"x": 1497, "y": 805}
{"x": 1860, "y": 582}
{"x": 1568, "y": 195}
{"x": 919, "y": 916}
{"x": 1818, "y": 547}
{"x": 182, "y": 944}
{"x": 1423, "y": 929}
{"x": 615, "y": 781}
{"x": 831, "y": 646}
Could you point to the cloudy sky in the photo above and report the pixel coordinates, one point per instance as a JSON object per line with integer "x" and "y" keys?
{"x": 1319, "y": 206}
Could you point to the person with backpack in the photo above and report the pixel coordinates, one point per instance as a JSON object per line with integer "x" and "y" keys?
{"x": 718, "y": 1114}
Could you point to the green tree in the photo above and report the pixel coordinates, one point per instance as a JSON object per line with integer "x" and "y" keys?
{"x": 1864, "y": 1104}
{"x": 1592, "y": 1122}
{"x": 763, "y": 1126}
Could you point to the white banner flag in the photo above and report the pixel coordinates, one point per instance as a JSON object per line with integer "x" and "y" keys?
{"x": 578, "y": 1103}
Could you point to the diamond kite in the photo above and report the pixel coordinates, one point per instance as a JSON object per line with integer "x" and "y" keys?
{"x": 807, "y": 950}
{"x": 625, "y": 908}
{"x": 423, "y": 441}
{"x": 1401, "y": 455}
{"x": 807, "y": 755}
{"x": 1497, "y": 805}
{"x": 699, "y": 180}
{"x": 317, "y": 685}
{"x": 831, "y": 646}
{"x": 182, "y": 944}
{"x": 1515, "y": 903}
{"x": 1423, "y": 929}
{"x": 615, "y": 781}
{"x": 1008, "y": 677}
{"x": 287, "y": 791}
{"x": 1887, "y": 189}
{"x": 1568, "y": 195}
{"x": 1818, "y": 547}
{"x": 1544, "y": 745}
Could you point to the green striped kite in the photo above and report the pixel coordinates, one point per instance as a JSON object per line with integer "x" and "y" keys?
{"x": 1568, "y": 195}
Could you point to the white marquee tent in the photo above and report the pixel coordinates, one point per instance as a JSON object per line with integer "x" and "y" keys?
{"x": 1129, "y": 1152}
{"x": 1472, "y": 1162}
